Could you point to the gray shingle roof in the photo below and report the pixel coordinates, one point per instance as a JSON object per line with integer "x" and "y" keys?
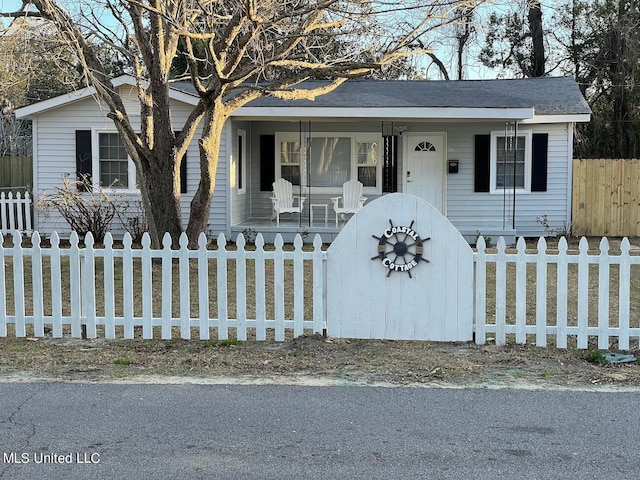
{"x": 548, "y": 95}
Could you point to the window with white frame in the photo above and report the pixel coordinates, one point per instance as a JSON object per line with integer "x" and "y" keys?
{"x": 367, "y": 155}
{"x": 510, "y": 162}
{"x": 288, "y": 157}
{"x": 113, "y": 161}
{"x": 115, "y": 168}
{"x": 241, "y": 161}
{"x": 333, "y": 159}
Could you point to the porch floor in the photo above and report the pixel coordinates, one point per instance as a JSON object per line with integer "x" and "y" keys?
{"x": 289, "y": 227}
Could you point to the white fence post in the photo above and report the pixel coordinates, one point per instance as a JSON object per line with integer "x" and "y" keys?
{"x": 221, "y": 288}
{"x": 521, "y": 292}
{"x": 278, "y": 287}
{"x": 241, "y": 289}
{"x": 624, "y": 295}
{"x": 146, "y": 273}
{"x": 203, "y": 287}
{"x": 185, "y": 288}
{"x": 75, "y": 282}
{"x": 109, "y": 288}
{"x": 562, "y": 286}
{"x": 3, "y": 291}
{"x": 56, "y": 286}
{"x": 298, "y": 288}
{"x": 501, "y": 292}
{"x": 261, "y": 314}
{"x": 480, "y": 287}
{"x": 10, "y": 204}
{"x": 583, "y": 294}
{"x": 18, "y": 284}
{"x": 4, "y": 224}
{"x": 127, "y": 285}
{"x": 38, "y": 293}
{"x": 603, "y": 294}
{"x": 167, "y": 271}
{"x": 318, "y": 286}
{"x": 89, "y": 288}
{"x": 541, "y": 294}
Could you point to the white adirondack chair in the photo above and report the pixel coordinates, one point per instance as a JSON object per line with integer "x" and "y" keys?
{"x": 284, "y": 201}
{"x": 351, "y": 200}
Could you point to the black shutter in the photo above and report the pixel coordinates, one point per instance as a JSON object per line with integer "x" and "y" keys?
{"x": 84, "y": 158}
{"x": 390, "y": 164}
{"x": 267, "y": 162}
{"x": 183, "y": 174}
{"x": 482, "y": 171}
{"x": 539, "y": 153}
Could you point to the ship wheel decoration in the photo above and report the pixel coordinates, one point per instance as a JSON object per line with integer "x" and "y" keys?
{"x": 400, "y": 249}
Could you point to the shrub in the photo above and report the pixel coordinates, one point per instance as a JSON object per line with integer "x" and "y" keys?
{"x": 86, "y": 208}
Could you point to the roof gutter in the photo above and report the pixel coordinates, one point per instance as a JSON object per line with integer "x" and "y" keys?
{"x": 400, "y": 113}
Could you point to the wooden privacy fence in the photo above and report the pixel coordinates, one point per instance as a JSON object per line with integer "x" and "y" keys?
{"x": 520, "y": 295}
{"x": 560, "y": 294}
{"x": 606, "y": 197}
{"x": 16, "y": 172}
{"x": 15, "y": 213}
{"x": 88, "y": 287}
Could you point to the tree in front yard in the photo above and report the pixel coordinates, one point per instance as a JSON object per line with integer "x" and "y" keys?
{"x": 233, "y": 52}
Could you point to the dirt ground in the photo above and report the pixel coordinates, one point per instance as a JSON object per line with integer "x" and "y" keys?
{"x": 310, "y": 359}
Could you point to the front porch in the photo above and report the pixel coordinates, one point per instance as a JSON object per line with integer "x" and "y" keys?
{"x": 385, "y": 156}
{"x": 289, "y": 227}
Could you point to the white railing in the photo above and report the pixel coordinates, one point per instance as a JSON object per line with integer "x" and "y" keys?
{"x": 584, "y": 298}
{"x": 15, "y": 213}
{"x": 89, "y": 288}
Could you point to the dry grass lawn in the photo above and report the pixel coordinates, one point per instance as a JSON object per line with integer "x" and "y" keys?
{"x": 359, "y": 361}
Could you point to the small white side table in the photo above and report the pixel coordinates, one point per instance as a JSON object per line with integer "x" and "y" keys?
{"x": 318, "y": 205}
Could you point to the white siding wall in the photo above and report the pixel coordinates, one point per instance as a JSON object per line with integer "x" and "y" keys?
{"x": 466, "y": 208}
{"x": 56, "y": 157}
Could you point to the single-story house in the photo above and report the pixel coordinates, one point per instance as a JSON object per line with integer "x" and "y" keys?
{"x": 495, "y": 156}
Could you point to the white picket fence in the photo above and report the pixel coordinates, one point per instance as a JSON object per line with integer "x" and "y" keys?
{"x": 15, "y": 213}
{"x": 511, "y": 270}
{"x": 144, "y": 290}
{"x": 246, "y": 292}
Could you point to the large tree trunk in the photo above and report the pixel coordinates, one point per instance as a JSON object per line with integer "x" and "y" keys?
{"x": 161, "y": 200}
{"x": 209, "y": 151}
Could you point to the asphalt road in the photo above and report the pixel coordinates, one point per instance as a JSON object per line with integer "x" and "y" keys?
{"x": 116, "y": 431}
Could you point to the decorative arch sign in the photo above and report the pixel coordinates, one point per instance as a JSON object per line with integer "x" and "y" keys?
{"x": 400, "y": 249}
{"x": 400, "y": 270}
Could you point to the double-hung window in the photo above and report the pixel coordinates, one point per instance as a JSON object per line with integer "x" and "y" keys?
{"x": 367, "y": 156}
{"x": 511, "y": 162}
{"x": 289, "y": 160}
{"x": 330, "y": 160}
{"x": 116, "y": 170}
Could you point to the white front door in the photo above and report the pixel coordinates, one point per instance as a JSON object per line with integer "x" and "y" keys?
{"x": 424, "y": 172}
